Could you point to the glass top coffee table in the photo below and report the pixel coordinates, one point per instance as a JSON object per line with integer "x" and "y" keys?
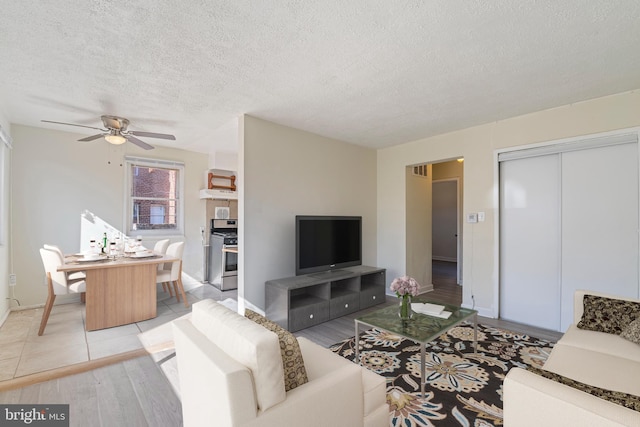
{"x": 421, "y": 329}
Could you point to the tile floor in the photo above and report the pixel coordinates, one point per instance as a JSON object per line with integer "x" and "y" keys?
{"x": 65, "y": 341}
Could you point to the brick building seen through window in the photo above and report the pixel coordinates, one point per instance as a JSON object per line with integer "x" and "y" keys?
{"x": 154, "y": 198}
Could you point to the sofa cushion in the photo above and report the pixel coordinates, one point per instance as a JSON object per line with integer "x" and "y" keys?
{"x": 292, "y": 362}
{"x": 632, "y": 332}
{"x": 624, "y": 399}
{"x": 601, "y": 369}
{"x": 248, "y": 343}
{"x": 601, "y": 342}
{"x": 607, "y": 314}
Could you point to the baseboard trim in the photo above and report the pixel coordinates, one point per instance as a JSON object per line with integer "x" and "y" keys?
{"x": 64, "y": 371}
{"x": 484, "y": 312}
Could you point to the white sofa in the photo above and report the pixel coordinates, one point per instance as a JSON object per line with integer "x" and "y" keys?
{"x": 598, "y": 359}
{"x": 231, "y": 374}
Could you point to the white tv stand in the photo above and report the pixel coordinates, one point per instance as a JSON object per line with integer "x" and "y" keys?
{"x": 299, "y": 302}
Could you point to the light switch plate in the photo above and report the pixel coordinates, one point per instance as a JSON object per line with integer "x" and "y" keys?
{"x": 480, "y": 216}
{"x": 472, "y": 217}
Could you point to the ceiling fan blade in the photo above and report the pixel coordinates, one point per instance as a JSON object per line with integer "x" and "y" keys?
{"x": 152, "y": 135}
{"x": 138, "y": 142}
{"x": 91, "y": 138}
{"x": 72, "y": 124}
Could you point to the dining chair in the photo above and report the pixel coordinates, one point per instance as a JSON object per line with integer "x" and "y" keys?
{"x": 71, "y": 276}
{"x": 172, "y": 276}
{"x": 57, "y": 283}
{"x": 161, "y": 248}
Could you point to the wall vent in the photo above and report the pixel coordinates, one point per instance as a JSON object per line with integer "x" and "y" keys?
{"x": 420, "y": 170}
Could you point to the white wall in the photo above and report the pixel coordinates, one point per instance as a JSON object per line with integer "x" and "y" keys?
{"x": 287, "y": 172}
{"x": 5, "y": 244}
{"x": 477, "y": 145}
{"x": 55, "y": 178}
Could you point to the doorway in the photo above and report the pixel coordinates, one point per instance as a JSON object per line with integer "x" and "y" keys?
{"x": 445, "y": 229}
{"x": 434, "y": 218}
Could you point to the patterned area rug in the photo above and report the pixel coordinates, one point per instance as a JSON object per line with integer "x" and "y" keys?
{"x": 462, "y": 388}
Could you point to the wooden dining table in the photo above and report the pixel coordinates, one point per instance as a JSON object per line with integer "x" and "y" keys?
{"x": 119, "y": 291}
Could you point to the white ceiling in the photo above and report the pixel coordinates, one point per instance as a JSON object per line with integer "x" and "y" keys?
{"x": 370, "y": 72}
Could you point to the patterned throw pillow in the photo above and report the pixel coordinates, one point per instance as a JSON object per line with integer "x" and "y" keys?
{"x": 632, "y": 332}
{"x": 608, "y": 315}
{"x": 294, "y": 372}
{"x": 627, "y": 400}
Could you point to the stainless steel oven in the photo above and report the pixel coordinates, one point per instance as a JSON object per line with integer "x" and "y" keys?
{"x": 223, "y": 254}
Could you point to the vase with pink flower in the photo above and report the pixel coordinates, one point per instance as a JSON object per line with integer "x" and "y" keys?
{"x": 405, "y": 288}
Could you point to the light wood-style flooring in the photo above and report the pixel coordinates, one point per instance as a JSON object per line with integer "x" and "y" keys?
{"x": 135, "y": 392}
{"x": 446, "y": 291}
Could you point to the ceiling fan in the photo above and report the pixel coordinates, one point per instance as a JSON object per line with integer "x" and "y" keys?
{"x": 116, "y": 132}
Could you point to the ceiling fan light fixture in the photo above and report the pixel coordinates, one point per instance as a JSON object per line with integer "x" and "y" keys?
{"x": 115, "y": 139}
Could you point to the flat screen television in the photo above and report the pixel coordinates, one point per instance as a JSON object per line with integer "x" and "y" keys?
{"x": 325, "y": 243}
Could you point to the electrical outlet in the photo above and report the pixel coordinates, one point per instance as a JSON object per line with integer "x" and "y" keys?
{"x": 12, "y": 279}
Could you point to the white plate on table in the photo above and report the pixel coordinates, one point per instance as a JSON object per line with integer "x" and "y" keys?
{"x": 91, "y": 259}
{"x": 142, "y": 255}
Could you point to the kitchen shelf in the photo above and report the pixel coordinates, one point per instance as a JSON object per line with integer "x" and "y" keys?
{"x": 231, "y": 178}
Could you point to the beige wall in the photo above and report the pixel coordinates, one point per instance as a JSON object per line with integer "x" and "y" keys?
{"x": 287, "y": 172}
{"x": 448, "y": 170}
{"x": 419, "y": 219}
{"x": 5, "y": 248}
{"x": 55, "y": 178}
{"x": 478, "y": 146}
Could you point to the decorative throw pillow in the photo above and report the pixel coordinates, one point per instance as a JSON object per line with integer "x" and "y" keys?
{"x": 294, "y": 372}
{"x": 632, "y": 332}
{"x": 627, "y": 400}
{"x": 607, "y": 314}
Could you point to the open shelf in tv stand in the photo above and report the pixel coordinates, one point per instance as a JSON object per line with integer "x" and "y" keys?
{"x": 299, "y": 302}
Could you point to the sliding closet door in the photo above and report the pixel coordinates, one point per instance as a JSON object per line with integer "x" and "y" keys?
{"x": 569, "y": 219}
{"x": 599, "y": 223}
{"x": 530, "y": 241}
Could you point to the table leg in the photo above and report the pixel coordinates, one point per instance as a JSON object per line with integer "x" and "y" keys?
{"x": 422, "y": 363}
{"x": 120, "y": 295}
{"x": 357, "y": 344}
{"x": 475, "y": 333}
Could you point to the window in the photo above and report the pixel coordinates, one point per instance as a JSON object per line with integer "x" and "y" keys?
{"x": 154, "y": 203}
{"x": 157, "y": 214}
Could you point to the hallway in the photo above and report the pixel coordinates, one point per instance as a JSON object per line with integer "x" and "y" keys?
{"x": 445, "y": 289}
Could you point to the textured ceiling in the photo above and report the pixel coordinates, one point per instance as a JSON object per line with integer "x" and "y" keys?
{"x": 370, "y": 72}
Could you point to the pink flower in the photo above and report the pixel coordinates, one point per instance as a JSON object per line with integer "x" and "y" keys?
{"x": 405, "y": 285}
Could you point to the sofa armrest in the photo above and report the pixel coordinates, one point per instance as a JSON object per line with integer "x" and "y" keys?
{"x": 334, "y": 399}
{"x": 215, "y": 389}
{"x": 532, "y": 400}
